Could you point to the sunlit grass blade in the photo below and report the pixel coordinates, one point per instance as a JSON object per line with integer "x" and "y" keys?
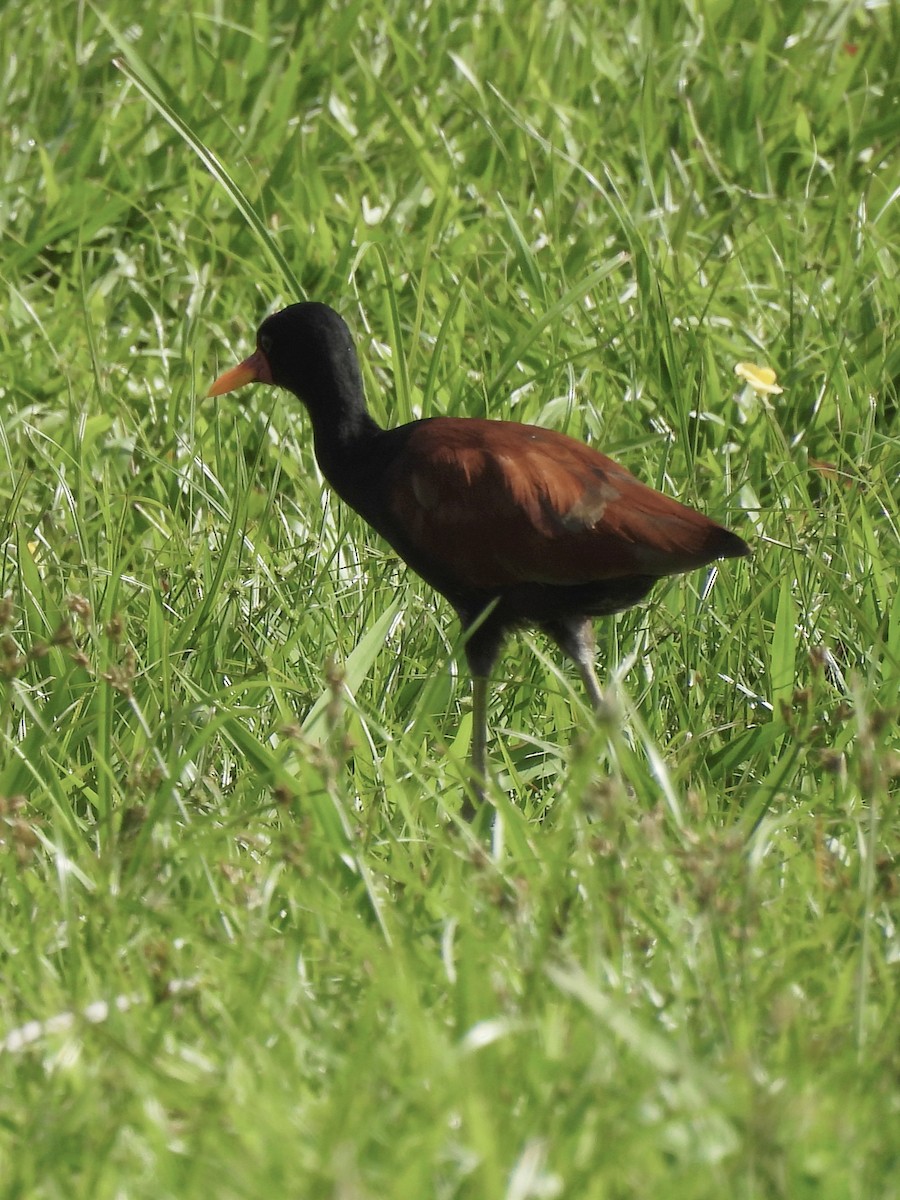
{"x": 156, "y": 92}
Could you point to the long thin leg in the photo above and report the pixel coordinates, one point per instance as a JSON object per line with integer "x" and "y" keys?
{"x": 479, "y": 741}
{"x": 591, "y": 683}
{"x": 484, "y": 634}
{"x": 576, "y": 638}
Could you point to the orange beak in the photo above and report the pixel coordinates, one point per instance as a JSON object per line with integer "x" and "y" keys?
{"x": 254, "y": 369}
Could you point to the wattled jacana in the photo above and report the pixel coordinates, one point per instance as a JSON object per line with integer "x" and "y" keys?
{"x": 514, "y": 524}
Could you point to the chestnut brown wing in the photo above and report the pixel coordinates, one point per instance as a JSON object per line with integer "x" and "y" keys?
{"x": 499, "y": 504}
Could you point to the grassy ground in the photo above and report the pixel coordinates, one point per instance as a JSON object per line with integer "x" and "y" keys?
{"x": 248, "y": 948}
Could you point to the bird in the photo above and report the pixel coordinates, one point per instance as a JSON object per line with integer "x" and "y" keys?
{"x": 515, "y": 525}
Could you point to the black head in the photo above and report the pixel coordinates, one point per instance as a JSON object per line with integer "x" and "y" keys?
{"x": 307, "y": 349}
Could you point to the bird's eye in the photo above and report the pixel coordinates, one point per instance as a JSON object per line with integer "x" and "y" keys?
{"x": 265, "y": 343}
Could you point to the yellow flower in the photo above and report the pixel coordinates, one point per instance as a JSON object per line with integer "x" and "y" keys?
{"x": 761, "y": 379}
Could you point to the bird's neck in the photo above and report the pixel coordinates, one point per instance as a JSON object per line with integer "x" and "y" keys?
{"x": 343, "y": 446}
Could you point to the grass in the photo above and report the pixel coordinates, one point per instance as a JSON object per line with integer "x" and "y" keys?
{"x": 248, "y": 947}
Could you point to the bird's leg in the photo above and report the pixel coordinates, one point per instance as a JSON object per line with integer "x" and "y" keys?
{"x": 575, "y": 637}
{"x": 592, "y": 685}
{"x": 483, "y": 639}
{"x": 479, "y": 735}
